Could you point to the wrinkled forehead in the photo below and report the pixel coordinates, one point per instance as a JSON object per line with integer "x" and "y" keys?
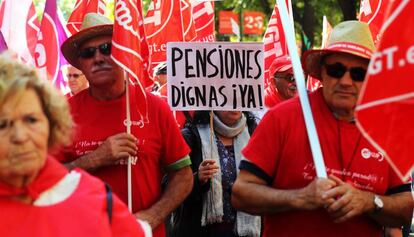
{"x": 26, "y": 100}
{"x": 94, "y": 42}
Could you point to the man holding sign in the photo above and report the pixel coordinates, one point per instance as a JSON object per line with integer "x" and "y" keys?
{"x": 278, "y": 179}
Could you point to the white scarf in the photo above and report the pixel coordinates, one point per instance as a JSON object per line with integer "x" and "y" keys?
{"x": 246, "y": 225}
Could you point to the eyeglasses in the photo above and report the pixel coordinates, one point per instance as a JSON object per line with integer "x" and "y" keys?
{"x": 288, "y": 77}
{"x": 338, "y": 70}
{"x": 74, "y": 75}
{"x": 89, "y": 52}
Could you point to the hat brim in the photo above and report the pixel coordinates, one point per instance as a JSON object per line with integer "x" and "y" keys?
{"x": 311, "y": 60}
{"x": 71, "y": 46}
{"x": 284, "y": 68}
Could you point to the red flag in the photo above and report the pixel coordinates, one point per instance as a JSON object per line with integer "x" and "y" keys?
{"x": 126, "y": 47}
{"x": 164, "y": 23}
{"x": 81, "y": 8}
{"x": 312, "y": 84}
{"x": 385, "y": 108}
{"x": 19, "y": 25}
{"x": 188, "y": 21}
{"x": 373, "y": 13}
{"x": 274, "y": 42}
{"x": 3, "y": 45}
{"x": 326, "y": 31}
{"x": 203, "y": 15}
{"x": 50, "y": 37}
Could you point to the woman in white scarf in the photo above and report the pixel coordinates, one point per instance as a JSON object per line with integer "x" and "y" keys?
{"x": 216, "y": 146}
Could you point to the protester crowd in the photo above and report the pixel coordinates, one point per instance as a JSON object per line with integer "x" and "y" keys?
{"x": 63, "y": 161}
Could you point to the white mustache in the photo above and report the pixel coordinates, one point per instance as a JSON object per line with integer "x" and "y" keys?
{"x": 101, "y": 67}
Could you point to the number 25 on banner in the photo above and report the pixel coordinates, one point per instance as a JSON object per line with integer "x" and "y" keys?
{"x": 253, "y": 22}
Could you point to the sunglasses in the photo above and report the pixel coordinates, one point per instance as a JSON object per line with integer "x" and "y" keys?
{"x": 338, "y": 70}
{"x": 74, "y": 75}
{"x": 288, "y": 77}
{"x": 89, "y": 52}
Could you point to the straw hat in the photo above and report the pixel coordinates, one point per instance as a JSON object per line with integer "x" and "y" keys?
{"x": 281, "y": 64}
{"x": 352, "y": 37}
{"x": 93, "y": 25}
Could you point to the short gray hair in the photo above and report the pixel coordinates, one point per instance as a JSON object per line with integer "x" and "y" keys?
{"x": 16, "y": 77}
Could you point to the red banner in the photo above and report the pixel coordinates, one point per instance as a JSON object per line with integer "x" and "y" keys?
{"x": 81, "y": 8}
{"x": 203, "y": 15}
{"x": 274, "y": 42}
{"x": 385, "y": 108}
{"x": 127, "y": 49}
{"x": 225, "y": 18}
{"x": 253, "y": 22}
{"x": 373, "y": 12}
{"x": 167, "y": 21}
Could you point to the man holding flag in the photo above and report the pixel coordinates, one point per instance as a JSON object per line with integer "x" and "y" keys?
{"x": 278, "y": 179}
{"x": 101, "y": 145}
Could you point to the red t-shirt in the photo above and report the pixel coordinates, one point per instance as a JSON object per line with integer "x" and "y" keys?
{"x": 271, "y": 97}
{"x": 160, "y": 144}
{"x": 83, "y": 213}
{"x": 280, "y": 148}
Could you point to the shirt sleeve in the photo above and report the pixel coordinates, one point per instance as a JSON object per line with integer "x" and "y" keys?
{"x": 175, "y": 149}
{"x": 263, "y": 147}
{"x": 396, "y": 185}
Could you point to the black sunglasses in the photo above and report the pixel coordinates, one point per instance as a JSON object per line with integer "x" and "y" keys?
{"x": 89, "y": 52}
{"x": 288, "y": 77}
{"x": 74, "y": 75}
{"x": 338, "y": 70}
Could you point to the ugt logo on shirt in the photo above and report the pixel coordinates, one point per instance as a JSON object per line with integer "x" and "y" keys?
{"x": 367, "y": 154}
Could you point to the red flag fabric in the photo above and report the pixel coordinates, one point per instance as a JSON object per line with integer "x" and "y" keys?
{"x": 126, "y": 47}
{"x": 3, "y": 45}
{"x": 386, "y": 105}
{"x": 164, "y": 23}
{"x": 50, "y": 37}
{"x": 373, "y": 13}
{"x": 81, "y": 8}
{"x": 225, "y": 19}
{"x": 326, "y": 31}
{"x": 203, "y": 15}
{"x": 253, "y": 22}
{"x": 19, "y": 25}
{"x": 188, "y": 21}
{"x": 312, "y": 84}
{"x": 274, "y": 42}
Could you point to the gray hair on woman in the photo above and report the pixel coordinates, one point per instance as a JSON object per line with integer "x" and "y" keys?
{"x": 16, "y": 77}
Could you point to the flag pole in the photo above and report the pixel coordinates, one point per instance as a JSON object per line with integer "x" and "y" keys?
{"x": 303, "y": 96}
{"x": 128, "y": 122}
{"x": 291, "y": 14}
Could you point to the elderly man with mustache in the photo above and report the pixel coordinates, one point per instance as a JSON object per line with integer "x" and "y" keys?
{"x": 278, "y": 180}
{"x": 101, "y": 144}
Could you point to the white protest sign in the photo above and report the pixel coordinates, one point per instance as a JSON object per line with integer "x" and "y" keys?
{"x": 215, "y": 76}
